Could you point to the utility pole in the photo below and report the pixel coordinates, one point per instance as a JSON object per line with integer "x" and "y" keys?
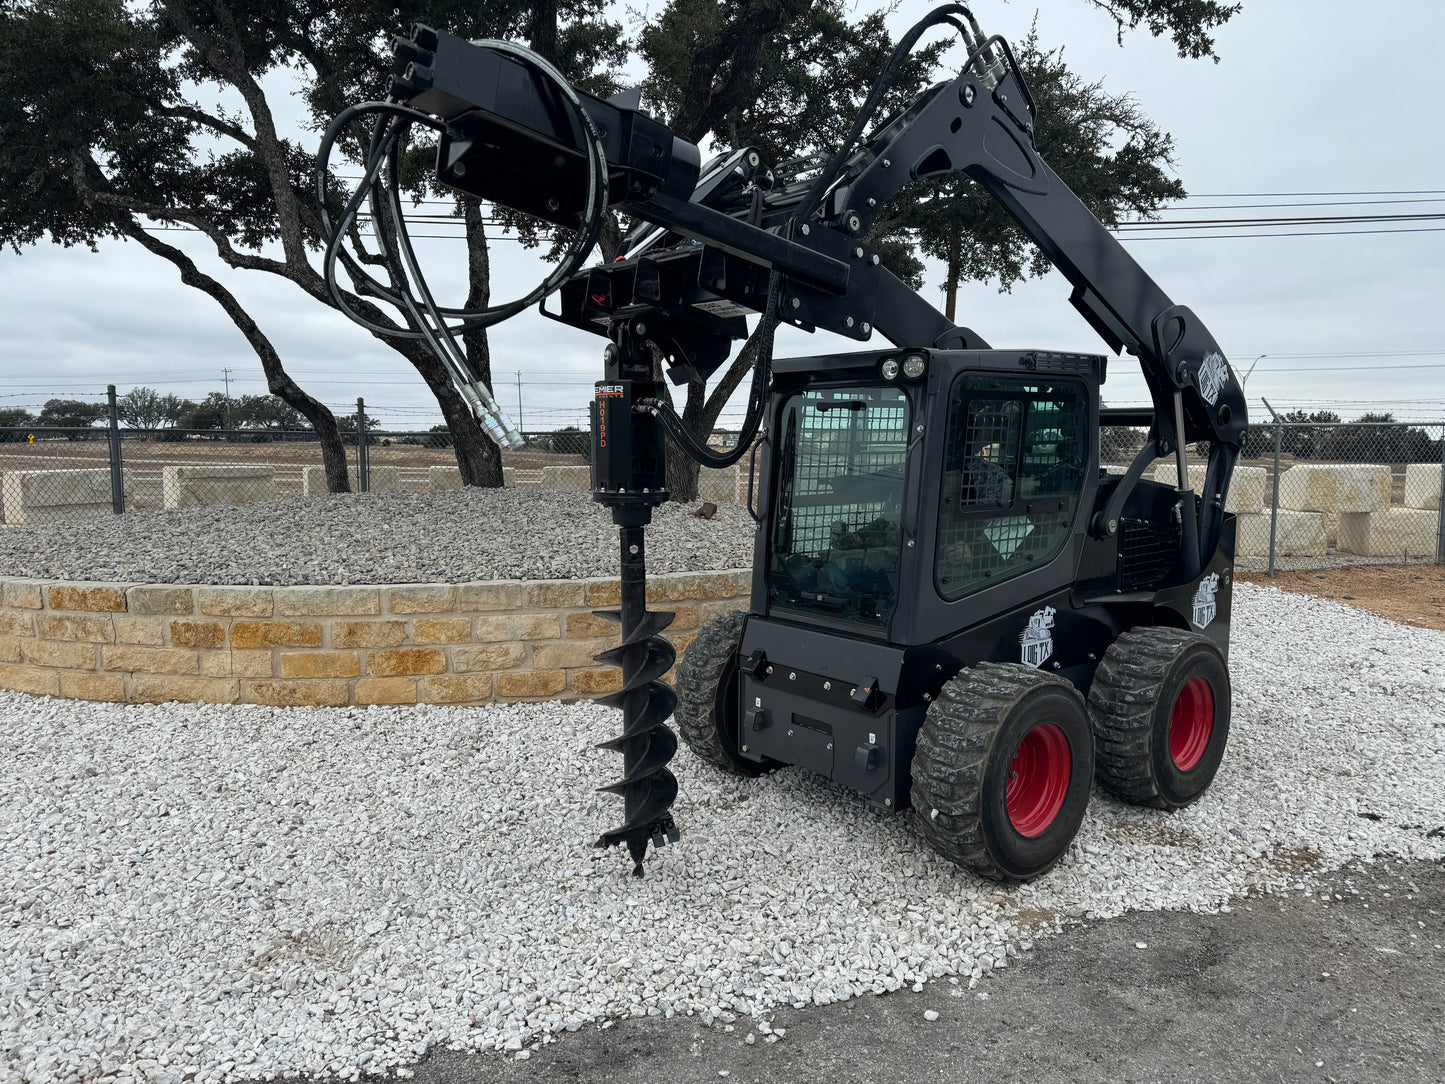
{"x": 226, "y": 376}
{"x": 520, "y": 427}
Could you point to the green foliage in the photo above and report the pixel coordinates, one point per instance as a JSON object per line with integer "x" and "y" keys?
{"x": 569, "y": 440}
{"x": 1103, "y": 147}
{"x": 14, "y": 418}
{"x": 142, "y": 408}
{"x": 267, "y": 412}
{"x": 70, "y": 413}
{"x": 349, "y": 428}
{"x": 212, "y": 412}
{"x": 1187, "y": 22}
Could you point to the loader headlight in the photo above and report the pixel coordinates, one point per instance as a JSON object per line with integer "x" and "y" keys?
{"x": 914, "y": 365}
{"x": 889, "y": 369}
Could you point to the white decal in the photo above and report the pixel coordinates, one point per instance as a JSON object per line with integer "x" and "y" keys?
{"x": 1204, "y": 605}
{"x": 1213, "y": 375}
{"x": 1037, "y": 640}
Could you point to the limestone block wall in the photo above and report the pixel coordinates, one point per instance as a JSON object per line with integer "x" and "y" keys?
{"x": 378, "y": 480}
{"x": 198, "y": 486}
{"x": 1248, "y": 487}
{"x": 567, "y": 479}
{"x": 1335, "y": 487}
{"x": 36, "y": 496}
{"x": 1396, "y": 532}
{"x": 1298, "y": 534}
{"x": 1422, "y": 485}
{"x": 468, "y": 643}
{"x": 440, "y": 478}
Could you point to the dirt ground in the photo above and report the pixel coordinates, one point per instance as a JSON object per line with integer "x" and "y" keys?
{"x": 1412, "y": 596}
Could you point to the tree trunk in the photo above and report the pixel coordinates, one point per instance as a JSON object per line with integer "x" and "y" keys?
{"x": 483, "y": 459}
{"x": 700, "y": 415}
{"x": 950, "y": 284}
{"x": 333, "y": 452}
{"x": 682, "y": 469}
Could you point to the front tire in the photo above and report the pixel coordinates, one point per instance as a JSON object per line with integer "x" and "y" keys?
{"x": 1002, "y": 771}
{"x": 1160, "y": 707}
{"x": 708, "y": 715}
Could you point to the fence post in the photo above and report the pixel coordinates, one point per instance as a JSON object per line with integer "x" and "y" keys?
{"x": 1274, "y": 501}
{"x": 1440, "y": 523}
{"x": 117, "y": 478}
{"x": 363, "y": 468}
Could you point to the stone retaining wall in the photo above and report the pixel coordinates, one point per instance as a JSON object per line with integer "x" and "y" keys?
{"x": 467, "y": 643}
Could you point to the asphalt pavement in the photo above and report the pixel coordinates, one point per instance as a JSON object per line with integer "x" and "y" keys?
{"x": 1282, "y": 989}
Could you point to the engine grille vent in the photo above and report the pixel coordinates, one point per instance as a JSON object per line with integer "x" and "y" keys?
{"x": 1146, "y": 552}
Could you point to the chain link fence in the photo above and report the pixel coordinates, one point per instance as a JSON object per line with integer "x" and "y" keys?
{"x": 1330, "y": 494}
{"x": 1315, "y": 494}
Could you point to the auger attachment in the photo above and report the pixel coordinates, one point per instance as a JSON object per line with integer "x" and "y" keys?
{"x": 629, "y": 476}
{"x": 646, "y": 744}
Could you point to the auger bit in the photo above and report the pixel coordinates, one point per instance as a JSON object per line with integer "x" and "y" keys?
{"x": 628, "y": 475}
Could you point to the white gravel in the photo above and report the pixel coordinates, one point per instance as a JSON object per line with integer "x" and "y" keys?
{"x": 228, "y": 892}
{"x": 451, "y": 536}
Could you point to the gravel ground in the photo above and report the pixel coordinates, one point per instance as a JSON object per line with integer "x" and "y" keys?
{"x": 1337, "y": 987}
{"x": 214, "y": 892}
{"x": 452, "y": 537}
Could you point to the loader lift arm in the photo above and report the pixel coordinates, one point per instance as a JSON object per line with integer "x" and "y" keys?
{"x": 734, "y": 238}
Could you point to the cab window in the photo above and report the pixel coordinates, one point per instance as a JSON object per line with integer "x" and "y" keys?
{"x": 1014, "y": 468}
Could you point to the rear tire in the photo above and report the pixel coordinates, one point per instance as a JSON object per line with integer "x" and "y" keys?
{"x": 708, "y": 714}
{"x": 1002, "y": 771}
{"x": 1160, "y": 707}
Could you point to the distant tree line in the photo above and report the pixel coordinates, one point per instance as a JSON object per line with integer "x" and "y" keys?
{"x": 1323, "y": 435}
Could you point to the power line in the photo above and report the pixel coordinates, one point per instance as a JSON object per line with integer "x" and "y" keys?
{"x": 1221, "y": 223}
{"x": 1250, "y": 236}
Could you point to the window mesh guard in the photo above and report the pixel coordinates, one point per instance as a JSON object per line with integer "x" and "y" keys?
{"x": 1014, "y": 468}
{"x": 838, "y": 537}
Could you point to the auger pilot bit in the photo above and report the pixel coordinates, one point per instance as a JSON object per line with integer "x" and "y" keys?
{"x": 647, "y": 744}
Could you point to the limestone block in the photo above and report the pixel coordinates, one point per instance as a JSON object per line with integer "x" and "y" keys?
{"x": 379, "y": 480}
{"x": 509, "y": 477}
{"x": 1422, "y": 485}
{"x": 1396, "y": 532}
{"x": 1300, "y": 534}
{"x": 200, "y": 486}
{"x": 567, "y": 479}
{"x": 36, "y": 496}
{"x": 720, "y": 485}
{"x": 1335, "y": 487}
{"x": 1249, "y": 489}
{"x": 440, "y": 478}
{"x": 387, "y": 691}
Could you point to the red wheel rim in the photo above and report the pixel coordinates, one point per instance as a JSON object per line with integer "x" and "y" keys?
{"x": 1038, "y": 780}
{"x": 1191, "y": 723}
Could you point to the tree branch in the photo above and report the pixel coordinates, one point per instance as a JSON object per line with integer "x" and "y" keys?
{"x": 278, "y": 380}
{"x": 227, "y": 59}
{"x": 205, "y": 120}
{"x": 163, "y": 213}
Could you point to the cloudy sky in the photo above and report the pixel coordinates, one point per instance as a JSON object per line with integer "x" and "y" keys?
{"x": 1318, "y": 109}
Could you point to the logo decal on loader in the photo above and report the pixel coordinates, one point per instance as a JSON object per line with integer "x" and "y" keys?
{"x": 1204, "y": 605}
{"x": 1037, "y": 640}
{"x": 1213, "y": 375}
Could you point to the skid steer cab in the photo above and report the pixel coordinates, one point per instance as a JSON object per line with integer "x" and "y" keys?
{"x": 934, "y": 625}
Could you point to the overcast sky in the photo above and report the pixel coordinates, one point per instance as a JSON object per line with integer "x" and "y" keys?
{"x": 1311, "y": 97}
